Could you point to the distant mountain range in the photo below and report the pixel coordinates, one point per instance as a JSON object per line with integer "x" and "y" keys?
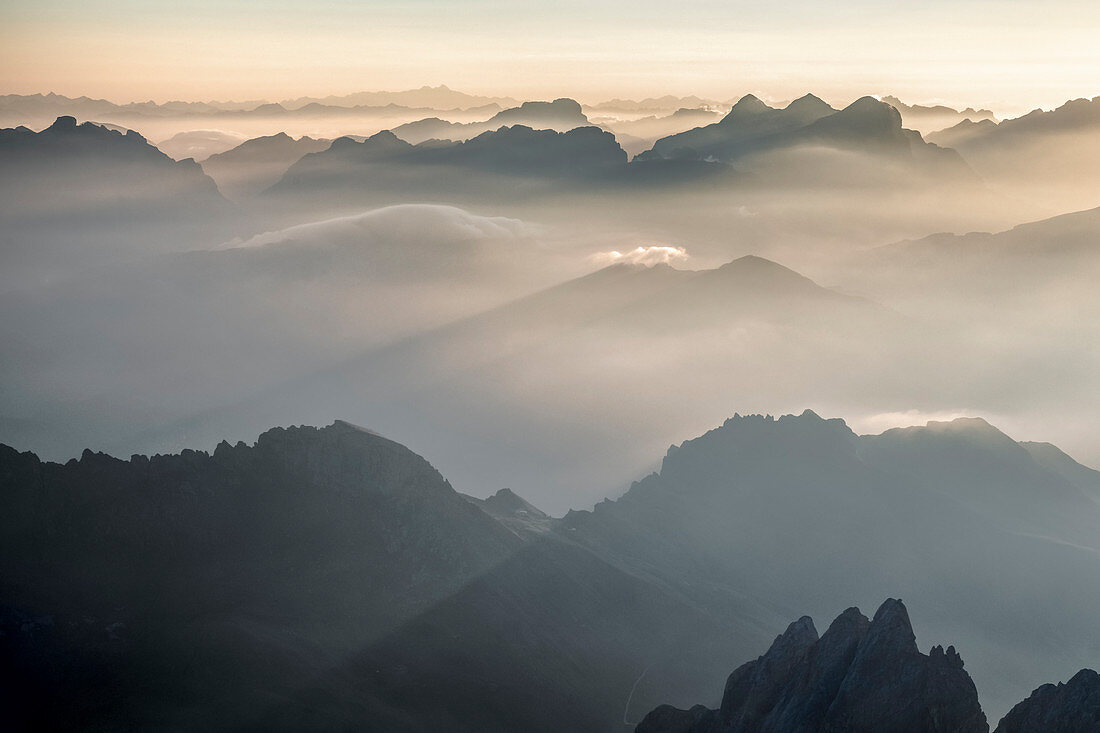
{"x": 52, "y": 105}
{"x": 928, "y": 119}
{"x": 561, "y": 115}
{"x": 652, "y": 105}
{"x": 1050, "y": 157}
{"x": 332, "y": 577}
{"x": 488, "y": 162}
{"x": 752, "y": 135}
{"x": 1078, "y": 115}
{"x": 73, "y": 195}
{"x": 752, "y": 128}
{"x": 439, "y": 97}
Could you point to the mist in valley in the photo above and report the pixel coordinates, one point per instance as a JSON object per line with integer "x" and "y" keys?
{"x": 615, "y": 389}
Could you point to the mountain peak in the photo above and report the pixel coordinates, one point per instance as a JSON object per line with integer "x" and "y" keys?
{"x": 749, "y": 104}
{"x": 871, "y": 108}
{"x": 809, "y": 103}
{"x": 891, "y": 630}
{"x": 64, "y": 122}
{"x": 846, "y": 680}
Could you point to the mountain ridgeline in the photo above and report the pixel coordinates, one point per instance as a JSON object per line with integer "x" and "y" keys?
{"x": 73, "y": 195}
{"x": 752, "y": 128}
{"x": 330, "y": 577}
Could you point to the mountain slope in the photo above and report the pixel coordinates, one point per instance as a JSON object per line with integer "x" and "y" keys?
{"x": 656, "y": 349}
{"x": 783, "y": 511}
{"x": 317, "y": 578}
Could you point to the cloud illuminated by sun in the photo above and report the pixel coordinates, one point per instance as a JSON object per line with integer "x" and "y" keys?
{"x": 657, "y": 254}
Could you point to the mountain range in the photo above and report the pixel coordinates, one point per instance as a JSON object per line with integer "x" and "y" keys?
{"x": 490, "y": 162}
{"x": 332, "y": 577}
{"x": 561, "y": 115}
{"x": 1050, "y": 157}
{"x": 928, "y": 119}
{"x": 752, "y": 128}
{"x": 73, "y": 196}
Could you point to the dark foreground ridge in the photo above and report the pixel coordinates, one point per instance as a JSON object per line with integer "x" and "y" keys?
{"x": 859, "y": 676}
{"x": 1073, "y": 707}
{"x": 332, "y": 579}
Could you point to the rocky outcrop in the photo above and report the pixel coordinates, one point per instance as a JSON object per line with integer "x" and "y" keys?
{"x": 859, "y": 676}
{"x": 1070, "y": 707}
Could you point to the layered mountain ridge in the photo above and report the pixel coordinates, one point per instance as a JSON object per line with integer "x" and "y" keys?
{"x": 329, "y": 577}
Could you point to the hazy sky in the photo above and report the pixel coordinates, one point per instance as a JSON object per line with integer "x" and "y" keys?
{"x": 1009, "y": 54}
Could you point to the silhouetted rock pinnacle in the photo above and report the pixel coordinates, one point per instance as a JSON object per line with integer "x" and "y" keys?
{"x": 859, "y": 676}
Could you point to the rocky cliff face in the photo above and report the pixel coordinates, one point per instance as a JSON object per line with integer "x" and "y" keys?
{"x": 859, "y": 676}
{"x": 1071, "y": 707}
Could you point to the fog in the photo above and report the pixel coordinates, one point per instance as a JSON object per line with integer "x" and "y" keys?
{"x": 552, "y": 297}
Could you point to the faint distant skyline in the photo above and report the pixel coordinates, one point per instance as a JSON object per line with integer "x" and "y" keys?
{"x": 1009, "y": 55}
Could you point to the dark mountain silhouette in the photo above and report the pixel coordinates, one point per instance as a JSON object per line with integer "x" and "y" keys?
{"x": 562, "y": 115}
{"x": 71, "y": 194}
{"x": 488, "y": 162}
{"x": 256, "y": 164}
{"x": 124, "y": 165}
{"x": 926, "y": 119}
{"x": 859, "y": 675}
{"x": 747, "y": 121}
{"x": 332, "y": 578}
{"x": 752, "y": 128}
{"x": 1070, "y": 707}
{"x": 317, "y": 579}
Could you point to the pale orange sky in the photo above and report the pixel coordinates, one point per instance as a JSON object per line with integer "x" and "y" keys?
{"x": 1006, "y": 54}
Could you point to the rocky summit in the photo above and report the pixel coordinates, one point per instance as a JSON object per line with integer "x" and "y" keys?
{"x": 860, "y": 675}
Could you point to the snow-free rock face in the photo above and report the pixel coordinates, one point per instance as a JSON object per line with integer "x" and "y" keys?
{"x": 1070, "y": 707}
{"x": 859, "y": 676}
